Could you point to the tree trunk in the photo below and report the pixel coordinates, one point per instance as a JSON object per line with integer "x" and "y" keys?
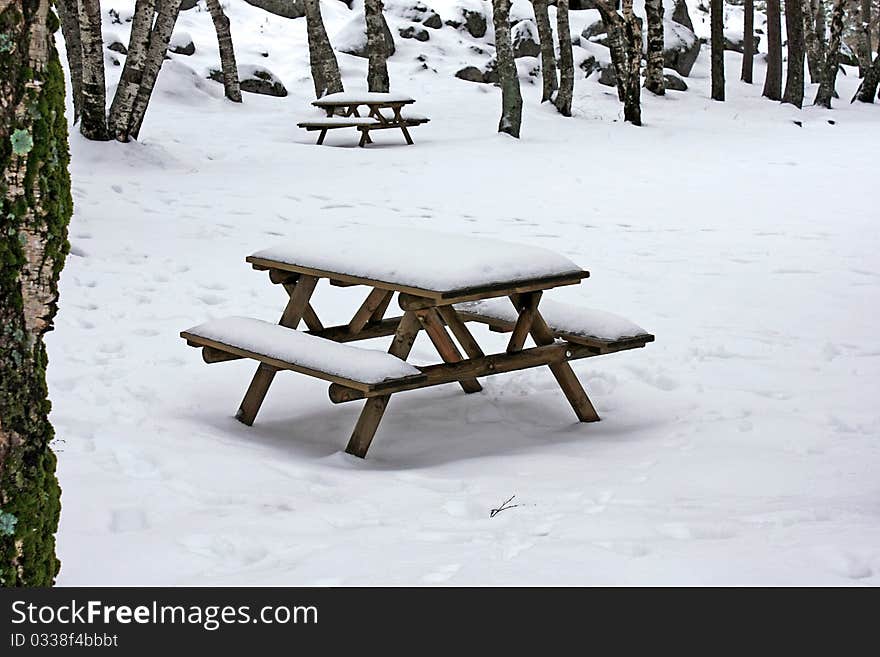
{"x": 717, "y": 38}
{"x": 566, "y": 60}
{"x": 166, "y": 17}
{"x": 625, "y": 44}
{"x": 868, "y": 89}
{"x": 773, "y": 81}
{"x": 35, "y": 208}
{"x": 814, "y": 38}
{"x": 828, "y": 77}
{"x": 748, "y": 41}
{"x": 654, "y": 81}
{"x": 325, "y": 70}
{"x": 68, "y": 12}
{"x": 231, "y": 86}
{"x": 862, "y": 28}
{"x": 548, "y": 58}
{"x": 511, "y": 99}
{"x": 133, "y": 71}
{"x": 794, "y": 74}
{"x": 93, "y": 123}
{"x": 377, "y": 72}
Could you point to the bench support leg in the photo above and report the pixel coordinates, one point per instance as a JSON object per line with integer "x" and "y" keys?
{"x": 374, "y": 408}
{"x": 321, "y": 136}
{"x": 300, "y": 293}
{"x": 565, "y": 376}
{"x": 435, "y": 329}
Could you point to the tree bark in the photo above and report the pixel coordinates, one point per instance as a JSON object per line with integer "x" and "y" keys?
{"x": 68, "y": 12}
{"x": 231, "y": 85}
{"x": 566, "y": 60}
{"x": 35, "y": 209}
{"x": 868, "y": 88}
{"x": 322, "y": 60}
{"x": 828, "y": 77}
{"x": 773, "y": 80}
{"x": 377, "y": 70}
{"x": 814, "y": 37}
{"x": 548, "y": 57}
{"x": 717, "y": 38}
{"x": 625, "y": 44}
{"x": 93, "y": 122}
{"x": 133, "y": 70}
{"x": 794, "y": 73}
{"x": 862, "y": 28}
{"x": 168, "y": 10}
{"x": 511, "y": 98}
{"x": 654, "y": 81}
{"x": 748, "y": 41}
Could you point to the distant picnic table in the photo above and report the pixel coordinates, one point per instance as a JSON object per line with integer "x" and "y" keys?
{"x": 442, "y": 282}
{"x": 383, "y": 111}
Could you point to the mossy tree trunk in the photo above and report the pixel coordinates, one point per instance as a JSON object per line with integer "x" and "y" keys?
{"x": 794, "y": 72}
{"x": 377, "y": 48}
{"x": 828, "y": 74}
{"x": 773, "y": 79}
{"x": 566, "y": 60}
{"x": 93, "y": 123}
{"x": 35, "y": 208}
{"x": 548, "y": 56}
{"x": 748, "y": 64}
{"x": 654, "y": 81}
{"x": 231, "y": 84}
{"x": 322, "y": 60}
{"x": 511, "y": 97}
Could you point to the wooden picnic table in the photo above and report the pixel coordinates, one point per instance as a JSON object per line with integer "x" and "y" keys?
{"x": 345, "y": 110}
{"x": 442, "y": 282}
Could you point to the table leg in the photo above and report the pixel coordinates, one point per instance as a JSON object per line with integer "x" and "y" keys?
{"x": 300, "y": 293}
{"x": 374, "y": 407}
{"x": 433, "y": 326}
{"x": 402, "y": 124}
{"x": 321, "y": 136}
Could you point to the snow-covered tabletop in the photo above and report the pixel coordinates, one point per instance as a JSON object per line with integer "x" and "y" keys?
{"x": 414, "y": 258}
{"x": 362, "y": 98}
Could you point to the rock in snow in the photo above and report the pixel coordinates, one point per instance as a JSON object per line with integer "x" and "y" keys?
{"x": 524, "y": 37}
{"x": 255, "y": 80}
{"x": 182, "y": 44}
{"x": 414, "y": 32}
{"x": 283, "y": 8}
{"x": 674, "y": 82}
{"x": 472, "y": 18}
{"x": 352, "y": 38}
{"x": 681, "y": 47}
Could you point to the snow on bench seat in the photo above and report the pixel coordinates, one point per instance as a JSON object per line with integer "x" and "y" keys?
{"x": 306, "y": 352}
{"x": 568, "y": 321}
{"x": 408, "y": 117}
{"x": 346, "y": 98}
{"x": 338, "y": 122}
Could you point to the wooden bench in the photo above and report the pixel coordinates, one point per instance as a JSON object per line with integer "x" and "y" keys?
{"x": 384, "y": 110}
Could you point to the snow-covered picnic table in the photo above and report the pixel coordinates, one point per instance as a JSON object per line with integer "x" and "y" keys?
{"x": 384, "y": 110}
{"x": 442, "y": 281}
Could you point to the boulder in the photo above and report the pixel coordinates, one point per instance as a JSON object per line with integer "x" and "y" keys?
{"x": 608, "y": 77}
{"x": 118, "y": 46}
{"x": 352, "y": 38}
{"x": 588, "y": 64}
{"x": 471, "y": 74}
{"x": 186, "y": 5}
{"x": 471, "y": 19}
{"x": 524, "y": 37}
{"x": 433, "y": 21}
{"x": 181, "y": 44}
{"x": 414, "y": 10}
{"x": 413, "y": 32}
{"x": 736, "y": 42}
{"x": 681, "y": 15}
{"x": 255, "y": 80}
{"x": 594, "y": 29}
{"x": 681, "y": 47}
{"x": 283, "y": 8}
{"x": 847, "y": 56}
{"x": 674, "y": 82}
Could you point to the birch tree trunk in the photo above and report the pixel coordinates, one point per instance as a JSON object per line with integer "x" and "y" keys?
{"x": 828, "y": 77}
{"x": 748, "y": 41}
{"x": 868, "y": 89}
{"x": 166, "y": 17}
{"x": 35, "y": 208}
{"x": 93, "y": 122}
{"x": 794, "y": 74}
{"x": 717, "y": 38}
{"x": 377, "y": 70}
{"x": 654, "y": 81}
{"x": 548, "y": 56}
{"x": 322, "y": 60}
{"x": 133, "y": 70}
{"x": 231, "y": 85}
{"x": 511, "y": 98}
{"x": 814, "y": 38}
{"x": 773, "y": 80}
{"x": 625, "y": 44}
{"x": 566, "y": 60}
{"x": 68, "y": 12}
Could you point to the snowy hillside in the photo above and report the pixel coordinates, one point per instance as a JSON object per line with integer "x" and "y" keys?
{"x": 742, "y": 447}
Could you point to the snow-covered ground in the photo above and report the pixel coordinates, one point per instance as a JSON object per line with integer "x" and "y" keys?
{"x": 741, "y": 448}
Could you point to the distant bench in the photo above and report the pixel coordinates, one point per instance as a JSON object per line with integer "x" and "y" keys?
{"x": 384, "y": 111}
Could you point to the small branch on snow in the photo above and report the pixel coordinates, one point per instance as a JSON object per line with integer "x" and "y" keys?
{"x": 503, "y": 507}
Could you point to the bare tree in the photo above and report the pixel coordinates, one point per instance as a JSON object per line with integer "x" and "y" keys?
{"x": 748, "y": 64}
{"x": 814, "y": 37}
{"x": 133, "y": 70}
{"x": 868, "y": 89}
{"x": 548, "y": 57}
{"x": 717, "y": 37}
{"x": 93, "y": 123}
{"x": 511, "y": 98}
{"x": 654, "y": 81}
{"x": 828, "y": 77}
{"x": 625, "y": 44}
{"x": 322, "y": 60}
{"x": 35, "y": 208}
{"x": 377, "y": 72}
{"x": 566, "y": 60}
{"x": 68, "y": 12}
{"x": 231, "y": 84}
{"x": 773, "y": 80}
{"x": 794, "y": 74}
{"x": 862, "y": 28}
